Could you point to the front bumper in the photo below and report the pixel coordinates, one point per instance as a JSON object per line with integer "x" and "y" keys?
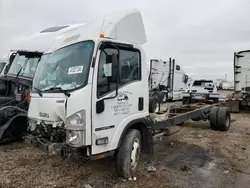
{"x": 59, "y": 149}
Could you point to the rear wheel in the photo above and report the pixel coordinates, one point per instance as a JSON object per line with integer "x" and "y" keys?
{"x": 220, "y": 118}
{"x": 128, "y": 154}
{"x": 213, "y": 117}
{"x": 224, "y": 118}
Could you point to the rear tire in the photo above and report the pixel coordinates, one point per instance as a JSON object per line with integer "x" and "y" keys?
{"x": 224, "y": 118}
{"x": 213, "y": 117}
{"x": 128, "y": 154}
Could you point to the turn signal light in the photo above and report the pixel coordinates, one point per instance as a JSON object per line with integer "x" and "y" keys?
{"x": 101, "y": 35}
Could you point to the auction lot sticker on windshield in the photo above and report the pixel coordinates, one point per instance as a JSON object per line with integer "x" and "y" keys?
{"x": 75, "y": 70}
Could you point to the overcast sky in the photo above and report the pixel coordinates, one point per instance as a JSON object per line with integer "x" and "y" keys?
{"x": 200, "y": 34}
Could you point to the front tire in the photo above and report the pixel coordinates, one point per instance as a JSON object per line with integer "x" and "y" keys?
{"x": 128, "y": 154}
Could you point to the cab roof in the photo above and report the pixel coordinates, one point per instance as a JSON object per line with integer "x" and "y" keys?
{"x": 45, "y": 39}
{"x": 124, "y": 26}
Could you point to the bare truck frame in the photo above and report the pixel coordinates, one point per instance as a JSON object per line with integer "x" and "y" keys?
{"x": 219, "y": 119}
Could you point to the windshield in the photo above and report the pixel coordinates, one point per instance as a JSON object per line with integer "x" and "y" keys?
{"x": 201, "y": 82}
{"x": 2, "y": 64}
{"x": 66, "y": 68}
{"x": 24, "y": 66}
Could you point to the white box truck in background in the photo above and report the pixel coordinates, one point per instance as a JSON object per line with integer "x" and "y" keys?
{"x": 240, "y": 99}
{"x": 167, "y": 80}
{"x": 99, "y": 104}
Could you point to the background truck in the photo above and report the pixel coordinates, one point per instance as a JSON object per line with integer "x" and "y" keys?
{"x": 201, "y": 90}
{"x": 99, "y": 106}
{"x": 17, "y": 78}
{"x": 167, "y": 81}
{"x": 240, "y": 99}
{"x": 3, "y": 63}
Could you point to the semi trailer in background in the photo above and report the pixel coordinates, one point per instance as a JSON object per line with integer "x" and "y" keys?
{"x": 240, "y": 98}
{"x": 167, "y": 79}
{"x": 99, "y": 106}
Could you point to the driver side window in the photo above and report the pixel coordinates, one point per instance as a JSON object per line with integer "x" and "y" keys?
{"x": 129, "y": 69}
{"x": 104, "y": 83}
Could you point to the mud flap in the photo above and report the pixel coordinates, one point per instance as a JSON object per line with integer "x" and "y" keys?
{"x": 233, "y": 105}
{"x": 147, "y": 141}
{"x": 14, "y": 128}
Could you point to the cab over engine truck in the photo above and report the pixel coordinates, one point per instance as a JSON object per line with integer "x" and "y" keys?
{"x": 16, "y": 81}
{"x": 99, "y": 107}
{"x": 167, "y": 82}
{"x": 240, "y": 99}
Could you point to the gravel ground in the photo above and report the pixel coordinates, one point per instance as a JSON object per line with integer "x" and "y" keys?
{"x": 196, "y": 156}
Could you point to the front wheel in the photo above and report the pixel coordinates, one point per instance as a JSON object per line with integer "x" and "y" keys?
{"x": 128, "y": 154}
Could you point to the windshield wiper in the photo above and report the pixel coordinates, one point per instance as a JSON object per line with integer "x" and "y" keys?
{"x": 20, "y": 70}
{"x": 38, "y": 91}
{"x": 59, "y": 89}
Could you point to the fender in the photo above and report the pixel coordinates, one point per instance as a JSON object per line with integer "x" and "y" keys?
{"x": 14, "y": 127}
{"x": 144, "y": 125}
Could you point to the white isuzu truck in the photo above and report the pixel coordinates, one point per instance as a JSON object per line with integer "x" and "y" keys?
{"x": 98, "y": 105}
{"x": 240, "y": 99}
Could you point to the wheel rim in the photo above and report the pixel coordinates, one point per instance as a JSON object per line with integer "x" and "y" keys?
{"x": 135, "y": 153}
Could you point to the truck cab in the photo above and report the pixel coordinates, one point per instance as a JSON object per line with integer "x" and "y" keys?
{"x": 91, "y": 87}
{"x": 167, "y": 80}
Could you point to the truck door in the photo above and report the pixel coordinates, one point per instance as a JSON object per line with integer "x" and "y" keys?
{"x": 115, "y": 112}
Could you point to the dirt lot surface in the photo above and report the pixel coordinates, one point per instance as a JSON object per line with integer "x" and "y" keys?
{"x": 196, "y": 156}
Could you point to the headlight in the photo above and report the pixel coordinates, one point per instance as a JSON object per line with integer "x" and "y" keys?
{"x": 74, "y": 137}
{"x": 75, "y": 129}
{"x": 76, "y": 120}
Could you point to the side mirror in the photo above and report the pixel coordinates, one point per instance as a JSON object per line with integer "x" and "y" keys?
{"x": 6, "y": 69}
{"x": 12, "y": 57}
